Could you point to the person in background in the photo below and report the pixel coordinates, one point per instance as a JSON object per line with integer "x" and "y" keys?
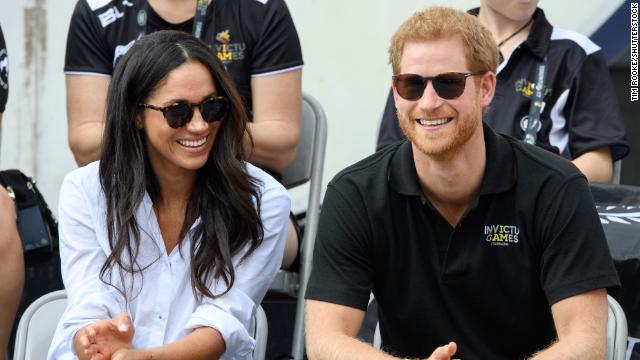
{"x": 169, "y": 243}
{"x": 256, "y": 40}
{"x": 11, "y": 256}
{"x": 473, "y": 243}
{"x": 580, "y": 118}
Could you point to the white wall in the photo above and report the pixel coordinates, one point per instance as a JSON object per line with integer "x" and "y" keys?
{"x": 344, "y": 45}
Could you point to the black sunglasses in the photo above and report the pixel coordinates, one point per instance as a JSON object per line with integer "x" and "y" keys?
{"x": 448, "y": 85}
{"x": 179, "y": 114}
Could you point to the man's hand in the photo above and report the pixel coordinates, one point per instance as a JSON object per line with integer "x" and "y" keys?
{"x": 444, "y": 352}
{"x": 102, "y": 339}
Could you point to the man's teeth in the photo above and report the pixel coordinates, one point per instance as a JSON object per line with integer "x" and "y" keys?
{"x": 433, "y": 122}
{"x": 192, "y": 143}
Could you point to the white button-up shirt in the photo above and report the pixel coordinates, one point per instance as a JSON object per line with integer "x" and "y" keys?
{"x": 160, "y": 301}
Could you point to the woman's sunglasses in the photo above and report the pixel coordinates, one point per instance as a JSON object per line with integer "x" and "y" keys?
{"x": 447, "y": 86}
{"x": 179, "y": 114}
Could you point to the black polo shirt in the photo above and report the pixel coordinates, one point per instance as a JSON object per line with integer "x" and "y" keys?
{"x": 581, "y": 112}
{"x": 531, "y": 238}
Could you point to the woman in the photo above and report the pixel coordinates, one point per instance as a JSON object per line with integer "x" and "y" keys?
{"x": 169, "y": 243}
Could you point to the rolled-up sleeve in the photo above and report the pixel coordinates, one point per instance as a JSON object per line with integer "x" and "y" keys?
{"x": 88, "y": 298}
{"x": 231, "y": 313}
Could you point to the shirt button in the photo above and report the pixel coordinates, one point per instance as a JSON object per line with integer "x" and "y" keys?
{"x": 160, "y": 316}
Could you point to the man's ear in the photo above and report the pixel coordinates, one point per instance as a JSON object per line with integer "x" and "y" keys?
{"x": 487, "y": 88}
{"x": 395, "y": 92}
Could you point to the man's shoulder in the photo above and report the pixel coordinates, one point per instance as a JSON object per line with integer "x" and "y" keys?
{"x": 372, "y": 171}
{"x": 572, "y": 41}
{"x": 537, "y": 163}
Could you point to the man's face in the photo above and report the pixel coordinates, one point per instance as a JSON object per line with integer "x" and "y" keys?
{"x": 434, "y": 125}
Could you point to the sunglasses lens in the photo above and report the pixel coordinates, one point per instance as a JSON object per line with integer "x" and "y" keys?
{"x": 214, "y": 109}
{"x": 178, "y": 115}
{"x": 449, "y": 86}
{"x": 410, "y": 87}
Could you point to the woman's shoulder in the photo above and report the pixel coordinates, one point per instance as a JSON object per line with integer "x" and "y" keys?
{"x": 85, "y": 178}
{"x": 269, "y": 187}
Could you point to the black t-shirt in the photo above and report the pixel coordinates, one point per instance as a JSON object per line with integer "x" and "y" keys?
{"x": 250, "y": 37}
{"x": 581, "y": 112}
{"x": 4, "y": 73}
{"x": 532, "y": 237}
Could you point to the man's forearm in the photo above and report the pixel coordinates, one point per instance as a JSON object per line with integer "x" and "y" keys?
{"x": 343, "y": 347}
{"x": 579, "y": 347}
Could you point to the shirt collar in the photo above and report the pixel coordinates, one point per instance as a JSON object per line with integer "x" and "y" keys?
{"x": 499, "y": 173}
{"x": 539, "y": 36}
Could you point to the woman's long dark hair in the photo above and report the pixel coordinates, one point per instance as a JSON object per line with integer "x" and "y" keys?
{"x": 223, "y": 195}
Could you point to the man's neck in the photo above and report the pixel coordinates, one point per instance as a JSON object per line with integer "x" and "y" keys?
{"x": 502, "y": 27}
{"x": 452, "y": 181}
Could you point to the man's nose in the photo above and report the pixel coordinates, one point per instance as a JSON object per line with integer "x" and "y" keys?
{"x": 430, "y": 99}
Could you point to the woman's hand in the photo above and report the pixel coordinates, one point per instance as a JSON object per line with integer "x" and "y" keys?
{"x": 102, "y": 339}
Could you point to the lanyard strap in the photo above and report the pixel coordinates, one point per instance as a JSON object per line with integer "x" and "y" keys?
{"x": 533, "y": 124}
{"x": 198, "y": 23}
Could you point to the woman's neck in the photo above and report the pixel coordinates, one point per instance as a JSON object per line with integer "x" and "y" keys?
{"x": 506, "y": 32}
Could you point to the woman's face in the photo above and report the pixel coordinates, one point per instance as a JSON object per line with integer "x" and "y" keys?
{"x": 515, "y": 10}
{"x": 187, "y": 148}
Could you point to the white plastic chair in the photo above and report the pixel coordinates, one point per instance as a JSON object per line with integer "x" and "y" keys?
{"x": 38, "y": 324}
{"x": 306, "y": 167}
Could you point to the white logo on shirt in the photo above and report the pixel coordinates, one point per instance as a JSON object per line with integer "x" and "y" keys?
{"x": 110, "y": 16}
{"x": 121, "y": 50}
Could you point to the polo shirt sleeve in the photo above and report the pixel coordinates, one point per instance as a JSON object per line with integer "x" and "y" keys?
{"x": 575, "y": 256}
{"x": 342, "y": 268}
{"x": 231, "y": 313}
{"x": 277, "y": 48}
{"x": 87, "y": 50}
{"x": 592, "y": 110}
{"x": 389, "y": 132}
{"x": 4, "y": 73}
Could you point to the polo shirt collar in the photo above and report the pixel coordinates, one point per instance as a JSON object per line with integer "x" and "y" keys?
{"x": 499, "y": 173}
{"x": 540, "y": 35}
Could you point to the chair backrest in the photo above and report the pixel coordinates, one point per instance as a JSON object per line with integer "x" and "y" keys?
{"x": 307, "y": 166}
{"x": 38, "y": 324}
{"x": 617, "y": 171}
{"x": 616, "y": 331}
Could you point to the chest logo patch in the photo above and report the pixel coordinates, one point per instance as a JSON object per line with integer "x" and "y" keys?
{"x": 501, "y": 235}
{"x": 526, "y": 88}
{"x": 226, "y": 50}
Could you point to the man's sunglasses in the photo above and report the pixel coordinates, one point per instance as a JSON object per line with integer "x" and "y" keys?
{"x": 447, "y": 86}
{"x": 179, "y": 114}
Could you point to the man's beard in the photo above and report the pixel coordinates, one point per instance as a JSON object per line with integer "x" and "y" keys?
{"x": 461, "y": 129}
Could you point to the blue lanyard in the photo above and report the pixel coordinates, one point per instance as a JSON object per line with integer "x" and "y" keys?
{"x": 198, "y": 23}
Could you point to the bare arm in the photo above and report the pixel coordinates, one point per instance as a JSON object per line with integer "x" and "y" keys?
{"x": 331, "y": 335}
{"x": 86, "y": 98}
{"x": 581, "y": 324}
{"x": 277, "y": 102}
{"x": 596, "y": 165}
{"x": 202, "y": 343}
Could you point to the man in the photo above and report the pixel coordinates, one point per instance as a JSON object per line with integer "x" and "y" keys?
{"x": 473, "y": 243}
{"x": 580, "y": 120}
{"x": 11, "y": 257}
{"x": 255, "y": 39}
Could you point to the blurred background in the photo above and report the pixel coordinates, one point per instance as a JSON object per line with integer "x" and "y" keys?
{"x": 344, "y": 46}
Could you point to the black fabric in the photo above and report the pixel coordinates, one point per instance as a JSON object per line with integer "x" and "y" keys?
{"x": 4, "y": 73}
{"x": 531, "y": 238}
{"x": 581, "y": 100}
{"x": 250, "y": 37}
{"x": 619, "y": 210}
